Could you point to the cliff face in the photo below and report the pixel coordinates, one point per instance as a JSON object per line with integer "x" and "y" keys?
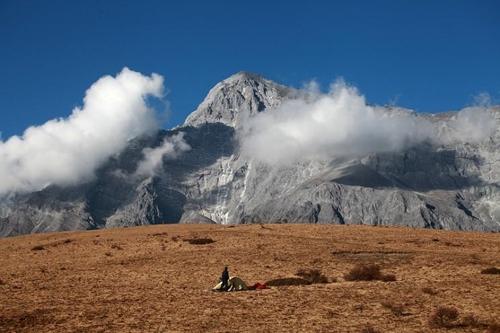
{"x": 454, "y": 186}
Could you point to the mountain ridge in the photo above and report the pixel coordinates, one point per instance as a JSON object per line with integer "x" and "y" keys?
{"x": 214, "y": 183}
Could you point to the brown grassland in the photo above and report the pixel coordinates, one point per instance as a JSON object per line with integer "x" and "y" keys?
{"x": 159, "y": 279}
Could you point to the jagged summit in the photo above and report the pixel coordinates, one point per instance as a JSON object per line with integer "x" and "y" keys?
{"x": 236, "y": 98}
{"x": 244, "y": 75}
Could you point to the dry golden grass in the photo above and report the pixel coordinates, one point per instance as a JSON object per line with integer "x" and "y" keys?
{"x": 152, "y": 279}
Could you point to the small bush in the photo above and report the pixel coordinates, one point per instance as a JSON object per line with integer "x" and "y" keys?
{"x": 116, "y": 247}
{"x": 38, "y": 248}
{"x": 2, "y": 282}
{"x": 396, "y": 309}
{"x": 292, "y": 281}
{"x": 200, "y": 241}
{"x": 491, "y": 270}
{"x": 159, "y": 234}
{"x": 312, "y": 275}
{"x": 388, "y": 277}
{"x": 443, "y": 316}
{"x": 368, "y": 273}
{"x": 369, "y": 329}
{"x": 363, "y": 273}
{"x": 470, "y": 320}
{"x": 430, "y": 291}
{"x": 331, "y": 314}
{"x": 494, "y": 328}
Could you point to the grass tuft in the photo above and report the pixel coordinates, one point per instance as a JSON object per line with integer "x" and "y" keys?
{"x": 291, "y": 281}
{"x": 200, "y": 241}
{"x": 491, "y": 270}
{"x": 429, "y": 291}
{"x": 493, "y": 328}
{"x": 369, "y": 272}
{"x": 369, "y": 329}
{"x": 444, "y": 317}
{"x": 396, "y": 309}
{"x": 312, "y": 275}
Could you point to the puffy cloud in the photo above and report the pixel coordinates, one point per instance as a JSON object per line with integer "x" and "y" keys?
{"x": 68, "y": 151}
{"x": 471, "y": 125}
{"x": 152, "y": 162}
{"x": 341, "y": 123}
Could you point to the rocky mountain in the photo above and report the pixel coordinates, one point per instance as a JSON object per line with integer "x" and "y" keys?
{"x": 453, "y": 186}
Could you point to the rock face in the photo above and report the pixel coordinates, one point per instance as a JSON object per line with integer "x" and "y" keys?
{"x": 448, "y": 187}
{"x": 237, "y": 98}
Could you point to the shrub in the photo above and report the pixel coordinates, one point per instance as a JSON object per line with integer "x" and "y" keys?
{"x": 396, "y": 309}
{"x": 368, "y": 273}
{"x": 491, "y": 270}
{"x": 430, "y": 291}
{"x": 312, "y": 275}
{"x": 331, "y": 313}
{"x": 38, "y": 248}
{"x": 388, "y": 277}
{"x": 200, "y": 241}
{"x": 494, "y": 328}
{"x": 470, "y": 320}
{"x": 369, "y": 329}
{"x": 363, "y": 273}
{"x": 443, "y": 316}
{"x": 116, "y": 247}
{"x": 159, "y": 234}
{"x": 292, "y": 281}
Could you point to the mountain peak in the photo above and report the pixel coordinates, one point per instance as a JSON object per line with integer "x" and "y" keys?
{"x": 242, "y": 76}
{"x": 236, "y": 98}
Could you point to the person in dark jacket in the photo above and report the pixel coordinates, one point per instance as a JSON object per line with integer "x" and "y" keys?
{"x": 225, "y": 279}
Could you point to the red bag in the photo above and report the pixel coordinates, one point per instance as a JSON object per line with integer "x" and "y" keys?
{"x": 258, "y": 286}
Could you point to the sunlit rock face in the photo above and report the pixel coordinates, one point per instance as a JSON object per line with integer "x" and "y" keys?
{"x": 446, "y": 186}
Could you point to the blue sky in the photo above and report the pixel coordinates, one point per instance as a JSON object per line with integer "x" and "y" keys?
{"x": 427, "y": 55}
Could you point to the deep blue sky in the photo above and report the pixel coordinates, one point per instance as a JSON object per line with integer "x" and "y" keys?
{"x": 429, "y": 55}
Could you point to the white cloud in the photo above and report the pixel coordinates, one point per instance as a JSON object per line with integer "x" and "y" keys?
{"x": 471, "y": 125}
{"x": 341, "y": 123}
{"x": 67, "y": 151}
{"x": 152, "y": 162}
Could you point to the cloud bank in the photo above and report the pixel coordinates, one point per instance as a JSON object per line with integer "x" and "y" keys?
{"x": 152, "y": 162}
{"x": 68, "y": 151}
{"x": 320, "y": 126}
